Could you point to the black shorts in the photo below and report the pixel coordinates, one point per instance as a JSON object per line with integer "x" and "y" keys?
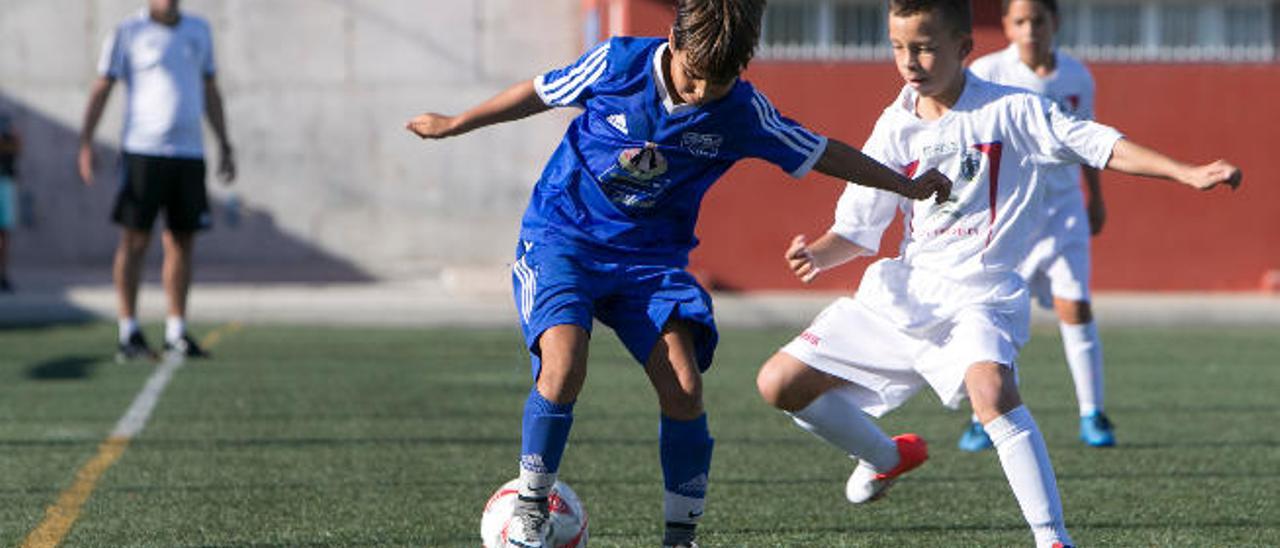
{"x": 150, "y": 183}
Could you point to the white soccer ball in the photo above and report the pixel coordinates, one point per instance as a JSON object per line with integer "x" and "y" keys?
{"x": 568, "y": 516}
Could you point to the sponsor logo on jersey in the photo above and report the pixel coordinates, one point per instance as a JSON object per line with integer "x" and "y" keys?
{"x": 643, "y": 163}
{"x": 706, "y": 145}
{"x": 811, "y": 338}
{"x": 939, "y": 150}
{"x": 635, "y": 181}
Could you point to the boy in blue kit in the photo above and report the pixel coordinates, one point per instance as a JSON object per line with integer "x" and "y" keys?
{"x": 610, "y": 224}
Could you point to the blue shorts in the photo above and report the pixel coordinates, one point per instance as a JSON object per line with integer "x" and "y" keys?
{"x": 557, "y": 285}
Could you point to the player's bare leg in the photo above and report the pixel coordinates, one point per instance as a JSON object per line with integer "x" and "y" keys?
{"x": 177, "y": 270}
{"x": 176, "y": 275}
{"x": 825, "y": 406}
{"x": 684, "y": 441}
{"x": 548, "y": 416}
{"x": 1083, "y": 349}
{"x": 126, "y": 272}
{"x": 993, "y": 393}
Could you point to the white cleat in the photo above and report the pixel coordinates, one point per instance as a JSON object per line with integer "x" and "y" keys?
{"x": 527, "y": 531}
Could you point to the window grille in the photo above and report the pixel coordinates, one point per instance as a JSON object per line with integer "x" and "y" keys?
{"x": 1231, "y": 31}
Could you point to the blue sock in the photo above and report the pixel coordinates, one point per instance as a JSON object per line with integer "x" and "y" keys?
{"x": 685, "y": 450}
{"x": 544, "y": 434}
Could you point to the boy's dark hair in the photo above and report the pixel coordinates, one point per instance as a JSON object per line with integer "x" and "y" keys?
{"x": 718, "y": 37}
{"x": 1051, "y": 5}
{"x": 955, "y": 13}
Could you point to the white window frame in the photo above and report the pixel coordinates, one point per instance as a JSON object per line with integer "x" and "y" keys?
{"x": 1212, "y": 26}
{"x": 823, "y": 46}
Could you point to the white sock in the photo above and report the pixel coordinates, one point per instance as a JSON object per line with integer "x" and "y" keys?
{"x": 536, "y": 484}
{"x": 174, "y": 327}
{"x": 836, "y": 418}
{"x": 1026, "y": 465}
{"x": 1084, "y": 356}
{"x": 128, "y": 326}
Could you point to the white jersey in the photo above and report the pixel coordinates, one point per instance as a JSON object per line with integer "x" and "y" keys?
{"x": 1070, "y": 85}
{"x": 993, "y": 144}
{"x": 164, "y": 69}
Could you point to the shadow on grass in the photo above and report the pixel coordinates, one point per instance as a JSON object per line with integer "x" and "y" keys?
{"x": 64, "y": 368}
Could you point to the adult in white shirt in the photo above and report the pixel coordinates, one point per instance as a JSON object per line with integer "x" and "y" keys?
{"x": 165, "y": 58}
{"x": 1057, "y": 268}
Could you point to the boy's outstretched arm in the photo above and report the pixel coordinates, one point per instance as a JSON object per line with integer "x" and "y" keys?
{"x": 829, "y": 251}
{"x": 1135, "y": 159}
{"x": 516, "y": 102}
{"x": 850, "y": 164}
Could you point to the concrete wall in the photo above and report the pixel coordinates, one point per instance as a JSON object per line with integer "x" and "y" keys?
{"x": 316, "y": 94}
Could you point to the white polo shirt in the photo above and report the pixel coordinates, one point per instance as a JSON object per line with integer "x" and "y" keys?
{"x": 164, "y": 69}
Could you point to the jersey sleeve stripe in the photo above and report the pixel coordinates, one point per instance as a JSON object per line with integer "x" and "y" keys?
{"x": 569, "y": 94}
{"x": 798, "y": 133}
{"x": 769, "y": 126}
{"x": 581, "y": 67}
{"x": 572, "y": 83}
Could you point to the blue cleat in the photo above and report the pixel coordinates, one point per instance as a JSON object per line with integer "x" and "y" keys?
{"x": 975, "y": 438}
{"x": 1096, "y": 430}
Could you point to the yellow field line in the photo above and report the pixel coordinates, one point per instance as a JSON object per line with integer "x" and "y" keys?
{"x": 214, "y": 337}
{"x": 59, "y": 518}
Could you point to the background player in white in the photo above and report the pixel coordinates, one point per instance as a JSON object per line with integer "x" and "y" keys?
{"x": 1057, "y": 269}
{"x": 165, "y": 58}
{"x": 950, "y": 311}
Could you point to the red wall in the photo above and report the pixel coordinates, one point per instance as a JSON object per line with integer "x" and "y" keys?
{"x": 1158, "y": 236}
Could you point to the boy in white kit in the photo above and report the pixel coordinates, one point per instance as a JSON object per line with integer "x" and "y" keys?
{"x": 951, "y": 311}
{"x": 1057, "y": 270}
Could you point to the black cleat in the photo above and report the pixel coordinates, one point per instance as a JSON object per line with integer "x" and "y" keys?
{"x": 136, "y": 348}
{"x": 5, "y": 286}
{"x": 185, "y": 347}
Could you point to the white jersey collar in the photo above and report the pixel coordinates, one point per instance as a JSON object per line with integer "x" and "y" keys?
{"x": 660, "y": 80}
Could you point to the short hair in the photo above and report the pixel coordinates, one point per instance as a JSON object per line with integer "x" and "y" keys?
{"x": 1051, "y": 5}
{"x": 955, "y": 13}
{"x": 718, "y": 37}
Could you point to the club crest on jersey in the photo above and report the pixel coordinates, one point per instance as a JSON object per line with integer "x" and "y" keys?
{"x": 643, "y": 163}
{"x": 706, "y": 145}
{"x": 970, "y": 163}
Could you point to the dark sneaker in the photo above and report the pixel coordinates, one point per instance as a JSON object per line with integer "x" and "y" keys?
{"x": 185, "y": 347}
{"x": 136, "y": 348}
{"x": 679, "y": 535}
{"x": 5, "y": 286}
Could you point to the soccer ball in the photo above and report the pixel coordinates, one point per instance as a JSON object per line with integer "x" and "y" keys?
{"x": 568, "y": 516}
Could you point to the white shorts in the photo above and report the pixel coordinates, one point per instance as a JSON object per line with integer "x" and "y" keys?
{"x": 888, "y": 364}
{"x": 1058, "y": 263}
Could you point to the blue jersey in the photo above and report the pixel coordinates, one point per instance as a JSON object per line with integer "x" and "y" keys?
{"x": 629, "y": 176}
